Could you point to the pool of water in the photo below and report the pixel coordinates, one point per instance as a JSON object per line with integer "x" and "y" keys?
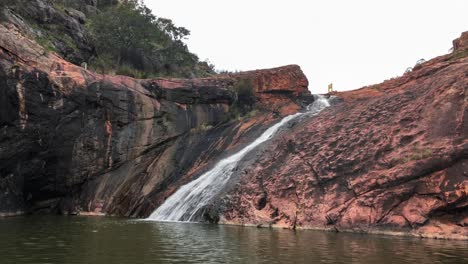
{"x": 96, "y": 240}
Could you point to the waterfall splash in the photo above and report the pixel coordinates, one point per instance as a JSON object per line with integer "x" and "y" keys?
{"x": 186, "y": 202}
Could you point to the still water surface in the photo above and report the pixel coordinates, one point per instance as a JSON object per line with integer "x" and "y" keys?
{"x": 90, "y": 240}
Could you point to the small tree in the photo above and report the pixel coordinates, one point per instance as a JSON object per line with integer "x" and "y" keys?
{"x": 131, "y": 35}
{"x": 176, "y": 33}
{"x": 245, "y": 97}
{"x": 123, "y": 27}
{"x": 101, "y": 4}
{"x": 244, "y": 90}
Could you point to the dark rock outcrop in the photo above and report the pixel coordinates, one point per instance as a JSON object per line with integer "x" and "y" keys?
{"x": 61, "y": 29}
{"x": 391, "y": 158}
{"x": 73, "y": 141}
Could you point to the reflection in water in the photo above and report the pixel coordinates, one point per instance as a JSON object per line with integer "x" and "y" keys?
{"x": 113, "y": 240}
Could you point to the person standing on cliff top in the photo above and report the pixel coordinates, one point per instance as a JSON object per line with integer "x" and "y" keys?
{"x": 330, "y": 88}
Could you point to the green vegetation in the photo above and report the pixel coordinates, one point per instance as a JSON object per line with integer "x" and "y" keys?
{"x": 130, "y": 40}
{"x": 459, "y": 54}
{"x": 245, "y": 99}
{"x": 128, "y": 70}
{"x": 59, "y": 5}
{"x": 376, "y": 88}
{"x": 45, "y": 42}
{"x": 201, "y": 128}
{"x": 106, "y": 3}
{"x": 122, "y": 37}
{"x": 51, "y": 31}
{"x": 51, "y": 35}
{"x": 418, "y": 154}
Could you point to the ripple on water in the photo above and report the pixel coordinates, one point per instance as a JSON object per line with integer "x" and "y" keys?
{"x": 28, "y": 240}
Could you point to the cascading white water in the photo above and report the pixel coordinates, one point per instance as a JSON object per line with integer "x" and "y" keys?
{"x": 186, "y": 202}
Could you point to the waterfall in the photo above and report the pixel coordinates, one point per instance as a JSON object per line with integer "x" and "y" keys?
{"x": 189, "y": 199}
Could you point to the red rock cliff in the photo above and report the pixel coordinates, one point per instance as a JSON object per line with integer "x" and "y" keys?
{"x": 461, "y": 43}
{"x": 390, "y": 158}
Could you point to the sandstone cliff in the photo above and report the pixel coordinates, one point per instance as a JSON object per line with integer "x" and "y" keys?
{"x": 391, "y": 158}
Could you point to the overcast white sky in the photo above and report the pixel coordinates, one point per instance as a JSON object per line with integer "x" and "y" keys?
{"x": 350, "y": 43}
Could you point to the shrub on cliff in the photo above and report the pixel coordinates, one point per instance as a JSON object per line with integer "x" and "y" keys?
{"x": 245, "y": 94}
{"x": 130, "y": 71}
{"x": 129, "y": 34}
{"x": 121, "y": 28}
{"x": 101, "y": 4}
{"x": 245, "y": 98}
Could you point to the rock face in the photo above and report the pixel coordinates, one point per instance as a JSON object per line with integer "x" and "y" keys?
{"x": 73, "y": 141}
{"x": 288, "y": 79}
{"x": 64, "y": 27}
{"x": 391, "y": 158}
{"x": 461, "y": 43}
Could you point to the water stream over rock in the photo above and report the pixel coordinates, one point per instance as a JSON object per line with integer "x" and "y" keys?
{"x": 186, "y": 202}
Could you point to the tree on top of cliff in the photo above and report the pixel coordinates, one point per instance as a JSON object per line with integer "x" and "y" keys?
{"x": 105, "y": 3}
{"x": 123, "y": 27}
{"x": 130, "y": 36}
